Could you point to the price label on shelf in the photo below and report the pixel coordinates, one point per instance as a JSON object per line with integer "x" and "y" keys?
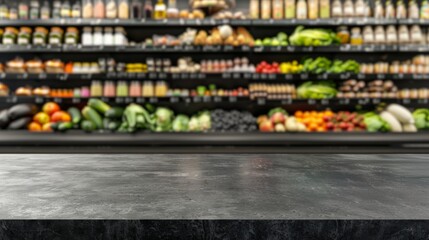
{"x": 2, "y": 75}
{"x": 42, "y": 76}
{"x": 232, "y": 99}
{"x": 228, "y": 48}
{"x": 361, "y": 76}
{"x": 246, "y": 48}
{"x": 324, "y": 101}
{"x": 141, "y": 75}
{"x": 226, "y": 75}
{"x": 236, "y": 76}
{"x": 422, "y": 101}
{"x": 323, "y": 76}
{"x": 174, "y": 99}
{"x": 76, "y": 100}
{"x": 140, "y": 100}
{"x": 58, "y": 100}
{"x": 207, "y": 99}
{"x": 187, "y": 100}
{"x": 119, "y": 100}
{"x": 406, "y": 101}
{"x": 344, "y": 101}
{"x": 276, "y": 49}
{"x": 152, "y": 76}
{"x": 217, "y": 99}
{"x": 175, "y": 76}
{"x": 153, "y": 100}
{"x": 247, "y": 75}
{"x": 272, "y": 76}
{"x": 261, "y": 101}
{"x": 344, "y": 76}
{"x": 381, "y": 76}
{"x": 303, "y": 76}
{"x": 376, "y": 101}
{"x": 256, "y": 76}
{"x": 264, "y": 76}
{"x": 291, "y": 49}
{"x": 184, "y": 76}
{"x": 129, "y": 100}
{"x": 22, "y": 76}
{"x": 363, "y": 101}
{"x": 258, "y": 49}
{"x": 287, "y": 101}
{"x": 307, "y": 49}
{"x": 196, "y": 99}
{"x": 162, "y": 75}
{"x": 39, "y": 100}
{"x": 311, "y": 101}
{"x": 288, "y": 76}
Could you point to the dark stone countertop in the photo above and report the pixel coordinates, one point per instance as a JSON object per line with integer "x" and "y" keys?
{"x": 294, "y": 186}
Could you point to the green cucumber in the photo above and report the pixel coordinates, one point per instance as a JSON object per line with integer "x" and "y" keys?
{"x": 88, "y": 126}
{"x": 98, "y": 105}
{"x": 114, "y": 125}
{"x": 114, "y": 113}
{"x": 75, "y": 115}
{"x": 64, "y": 126}
{"x": 55, "y": 125}
{"x": 92, "y": 115}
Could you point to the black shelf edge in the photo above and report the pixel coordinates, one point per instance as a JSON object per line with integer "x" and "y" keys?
{"x": 209, "y": 22}
{"x": 78, "y": 138}
{"x": 221, "y": 100}
{"x": 215, "y": 49}
{"x": 235, "y": 76}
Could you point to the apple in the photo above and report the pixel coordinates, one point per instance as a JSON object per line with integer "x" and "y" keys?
{"x": 41, "y": 118}
{"x": 262, "y": 119}
{"x": 280, "y": 127}
{"x": 278, "y": 118}
{"x": 266, "y": 126}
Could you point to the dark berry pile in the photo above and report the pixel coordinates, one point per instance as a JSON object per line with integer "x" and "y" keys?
{"x": 232, "y": 121}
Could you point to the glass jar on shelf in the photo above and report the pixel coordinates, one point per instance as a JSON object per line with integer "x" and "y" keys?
{"x": 10, "y": 35}
{"x": 24, "y": 36}
{"x": 39, "y": 36}
{"x": 65, "y": 9}
{"x": 76, "y": 10}
{"x": 13, "y": 11}
{"x": 23, "y": 10}
{"x": 356, "y": 37}
{"x": 4, "y": 10}
{"x": 45, "y": 11}
{"x": 108, "y": 37}
{"x": 136, "y": 9}
{"x": 34, "y": 9}
{"x": 99, "y": 9}
{"x": 71, "y": 36}
{"x": 87, "y": 39}
{"x": 56, "y": 9}
{"x": 97, "y": 36}
{"x": 56, "y": 36}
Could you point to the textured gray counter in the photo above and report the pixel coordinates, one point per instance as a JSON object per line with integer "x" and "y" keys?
{"x": 214, "y": 186}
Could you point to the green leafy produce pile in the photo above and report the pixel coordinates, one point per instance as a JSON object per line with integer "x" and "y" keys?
{"x": 323, "y": 65}
{"x": 313, "y": 37}
{"x": 317, "y": 90}
{"x": 421, "y": 118}
{"x": 374, "y": 123}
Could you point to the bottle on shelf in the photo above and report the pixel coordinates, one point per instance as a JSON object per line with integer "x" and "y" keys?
{"x": 390, "y": 10}
{"x": 348, "y": 9}
{"x": 325, "y": 9}
{"x": 4, "y": 10}
{"x": 401, "y": 11}
{"x": 87, "y": 9}
{"x": 265, "y": 9}
{"x": 45, "y": 11}
{"x": 87, "y": 36}
{"x": 76, "y": 10}
{"x": 65, "y": 9}
{"x": 337, "y": 9}
{"x": 254, "y": 9}
{"x": 378, "y": 9}
{"x": 148, "y": 9}
{"x": 290, "y": 9}
{"x": 301, "y": 9}
{"x": 123, "y": 9}
{"x": 34, "y": 9}
{"x": 424, "y": 10}
{"x": 56, "y": 9}
{"x": 160, "y": 11}
{"x": 360, "y": 7}
{"x": 99, "y": 9}
{"x": 172, "y": 10}
{"x": 97, "y": 36}
{"x": 413, "y": 10}
{"x": 313, "y": 9}
{"x": 136, "y": 9}
{"x": 277, "y": 6}
{"x": 120, "y": 38}
{"x": 23, "y": 10}
{"x": 108, "y": 38}
{"x": 111, "y": 9}
{"x": 13, "y": 11}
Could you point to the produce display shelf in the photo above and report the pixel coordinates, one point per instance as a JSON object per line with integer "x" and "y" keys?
{"x": 214, "y": 49}
{"x": 237, "y": 76}
{"x": 209, "y": 22}
{"x": 79, "y": 138}
{"x": 221, "y": 100}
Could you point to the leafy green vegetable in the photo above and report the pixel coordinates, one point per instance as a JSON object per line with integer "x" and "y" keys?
{"x": 313, "y": 37}
{"x": 374, "y": 123}
{"x": 180, "y": 123}
{"x": 135, "y": 117}
{"x": 320, "y": 90}
{"x": 276, "y": 110}
{"x": 421, "y": 118}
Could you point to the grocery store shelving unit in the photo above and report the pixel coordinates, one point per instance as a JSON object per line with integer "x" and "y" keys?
{"x": 11, "y": 141}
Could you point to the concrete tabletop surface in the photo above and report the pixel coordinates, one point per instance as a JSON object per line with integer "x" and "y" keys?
{"x": 216, "y": 186}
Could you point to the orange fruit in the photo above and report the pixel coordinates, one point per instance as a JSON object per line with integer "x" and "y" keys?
{"x": 47, "y": 127}
{"x": 312, "y": 126}
{"x": 60, "y": 116}
{"x": 298, "y": 114}
{"x": 41, "y": 118}
{"x": 320, "y": 129}
{"x": 50, "y": 108}
{"x": 34, "y": 127}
